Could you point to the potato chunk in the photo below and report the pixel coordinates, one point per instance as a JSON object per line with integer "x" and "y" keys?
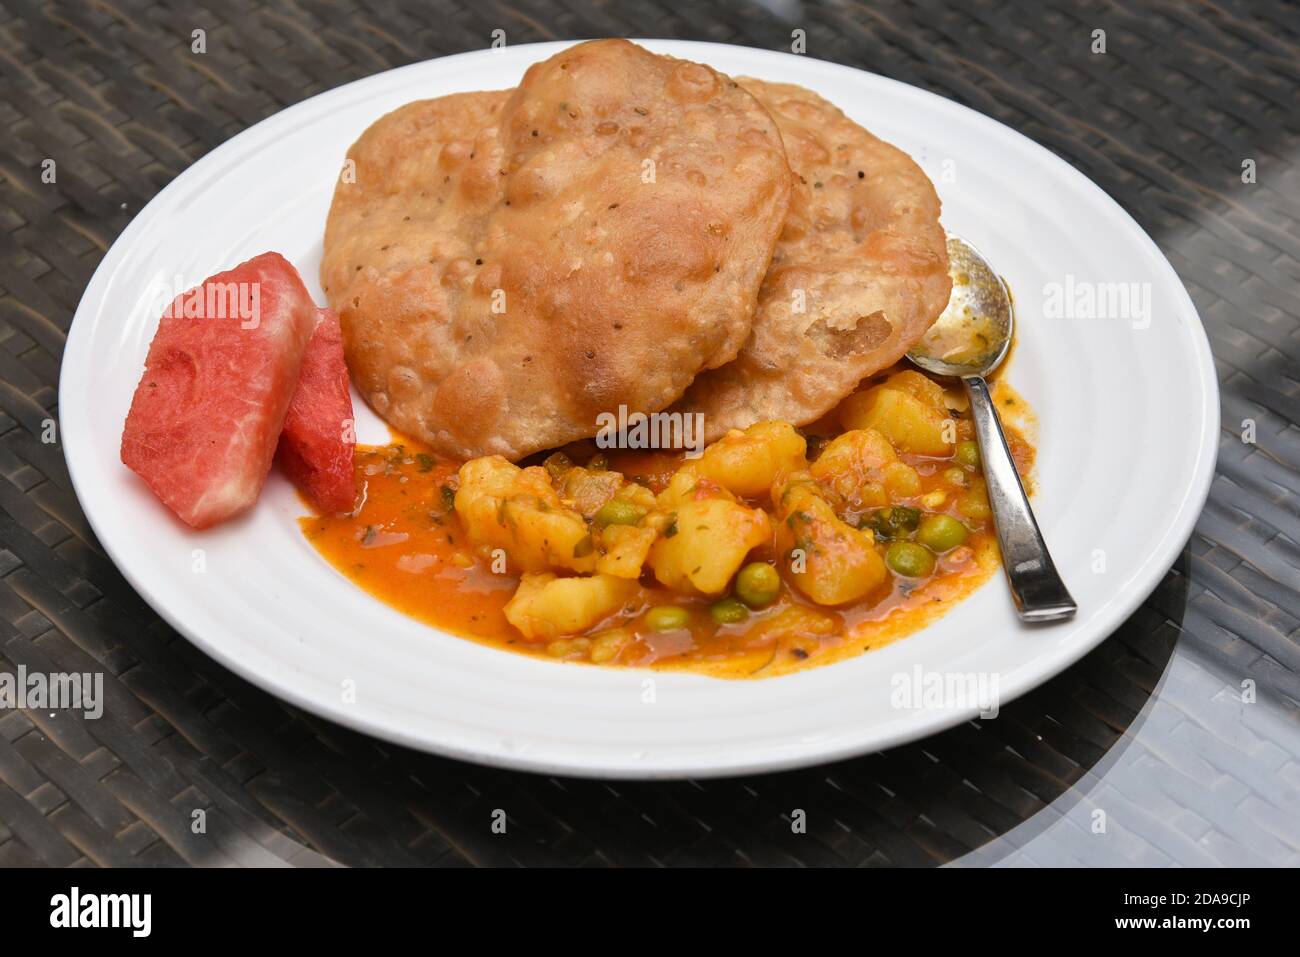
{"x": 907, "y": 409}
{"x": 545, "y": 607}
{"x": 688, "y": 486}
{"x": 623, "y": 550}
{"x": 517, "y": 510}
{"x": 793, "y": 624}
{"x": 746, "y": 463}
{"x": 919, "y": 386}
{"x": 706, "y": 544}
{"x": 827, "y": 559}
{"x": 862, "y": 470}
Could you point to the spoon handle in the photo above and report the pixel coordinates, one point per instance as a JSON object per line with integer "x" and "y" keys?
{"x": 1036, "y": 586}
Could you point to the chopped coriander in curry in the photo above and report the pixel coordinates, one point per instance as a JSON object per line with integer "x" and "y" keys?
{"x": 776, "y": 549}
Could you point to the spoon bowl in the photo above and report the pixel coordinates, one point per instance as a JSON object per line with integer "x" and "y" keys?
{"x": 974, "y": 333}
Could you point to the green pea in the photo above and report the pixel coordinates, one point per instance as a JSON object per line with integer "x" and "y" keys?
{"x": 728, "y": 611}
{"x": 909, "y": 560}
{"x": 667, "y": 618}
{"x": 758, "y": 584}
{"x": 941, "y": 533}
{"x": 968, "y": 454}
{"x": 618, "y": 512}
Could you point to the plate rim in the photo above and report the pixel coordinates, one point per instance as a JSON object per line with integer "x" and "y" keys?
{"x": 577, "y": 762}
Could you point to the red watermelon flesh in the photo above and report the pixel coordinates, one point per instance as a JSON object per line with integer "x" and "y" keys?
{"x": 318, "y": 438}
{"x": 218, "y": 380}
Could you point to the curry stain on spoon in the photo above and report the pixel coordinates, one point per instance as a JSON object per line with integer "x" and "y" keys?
{"x": 968, "y": 342}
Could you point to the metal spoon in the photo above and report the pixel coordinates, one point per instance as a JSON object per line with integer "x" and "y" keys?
{"x": 968, "y": 342}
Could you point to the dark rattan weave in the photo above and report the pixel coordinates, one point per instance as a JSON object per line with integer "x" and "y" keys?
{"x": 1162, "y": 121}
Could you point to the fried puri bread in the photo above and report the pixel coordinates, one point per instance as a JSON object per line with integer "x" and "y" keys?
{"x": 507, "y": 266}
{"x": 859, "y": 274}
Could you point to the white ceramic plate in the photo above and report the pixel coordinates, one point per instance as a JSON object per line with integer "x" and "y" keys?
{"x": 1129, "y": 421}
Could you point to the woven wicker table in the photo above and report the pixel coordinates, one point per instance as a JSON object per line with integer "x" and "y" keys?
{"x": 1182, "y": 730}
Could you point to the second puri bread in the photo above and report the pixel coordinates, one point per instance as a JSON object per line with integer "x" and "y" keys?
{"x": 859, "y": 274}
{"x": 508, "y": 266}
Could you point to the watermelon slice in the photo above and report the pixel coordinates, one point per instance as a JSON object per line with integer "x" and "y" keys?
{"x": 218, "y": 380}
{"x": 318, "y": 438}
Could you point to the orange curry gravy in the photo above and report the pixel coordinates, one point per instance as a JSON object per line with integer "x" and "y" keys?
{"x": 405, "y": 546}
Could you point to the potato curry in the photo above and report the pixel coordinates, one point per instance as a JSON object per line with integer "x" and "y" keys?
{"x": 774, "y": 550}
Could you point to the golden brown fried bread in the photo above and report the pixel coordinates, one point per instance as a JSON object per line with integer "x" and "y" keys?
{"x": 507, "y": 266}
{"x": 859, "y": 273}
